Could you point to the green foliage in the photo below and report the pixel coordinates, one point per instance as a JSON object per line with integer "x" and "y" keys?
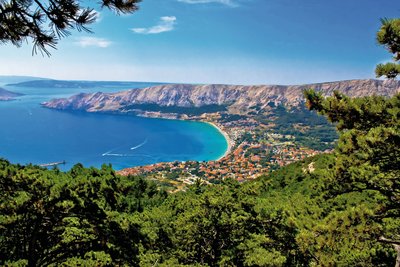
{"x": 256, "y": 255}
{"x": 50, "y": 218}
{"x": 368, "y": 162}
{"x": 389, "y": 36}
{"x": 343, "y": 237}
{"x": 368, "y": 154}
{"x": 225, "y": 117}
{"x": 312, "y": 130}
{"x": 191, "y": 111}
{"x": 328, "y": 229}
{"x": 367, "y": 168}
{"x": 223, "y": 225}
{"x": 390, "y": 70}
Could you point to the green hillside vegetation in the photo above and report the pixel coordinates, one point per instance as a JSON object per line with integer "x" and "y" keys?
{"x": 311, "y": 130}
{"x": 85, "y": 215}
{"x": 191, "y": 111}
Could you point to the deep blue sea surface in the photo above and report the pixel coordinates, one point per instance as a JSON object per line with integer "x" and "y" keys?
{"x": 30, "y": 133}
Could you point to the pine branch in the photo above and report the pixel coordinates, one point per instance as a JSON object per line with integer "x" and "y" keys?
{"x": 388, "y": 241}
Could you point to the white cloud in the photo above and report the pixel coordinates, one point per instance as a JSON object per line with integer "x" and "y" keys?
{"x": 166, "y": 24}
{"x": 93, "y": 41}
{"x": 224, "y": 2}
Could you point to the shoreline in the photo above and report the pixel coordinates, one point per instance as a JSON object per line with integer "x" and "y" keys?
{"x": 227, "y": 138}
{"x": 213, "y": 124}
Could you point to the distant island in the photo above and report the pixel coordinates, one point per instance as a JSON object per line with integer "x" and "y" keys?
{"x": 50, "y": 83}
{"x": 11, "y": 79}
{"x": 6, "y": 95}
{"x": 266, "y": 126}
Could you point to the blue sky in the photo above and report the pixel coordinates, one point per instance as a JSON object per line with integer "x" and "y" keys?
{"x": 219, "y": 41}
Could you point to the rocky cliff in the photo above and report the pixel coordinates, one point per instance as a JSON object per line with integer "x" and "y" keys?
{"x": 238, "y": 99}
{"x": 7, "y": 95}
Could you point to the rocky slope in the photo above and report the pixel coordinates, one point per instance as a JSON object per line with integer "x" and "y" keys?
{"x": 237, "y": 98}
{"x": 7, "y": 95}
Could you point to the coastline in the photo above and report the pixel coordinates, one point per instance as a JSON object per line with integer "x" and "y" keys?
{"x": 226, "y": 136}
{"x": 166, "y": 116}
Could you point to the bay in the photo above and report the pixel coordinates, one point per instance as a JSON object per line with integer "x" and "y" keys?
{"x": 30, "y": 133}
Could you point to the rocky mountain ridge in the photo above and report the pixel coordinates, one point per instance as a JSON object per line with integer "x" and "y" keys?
{"x": 238, "y": 99}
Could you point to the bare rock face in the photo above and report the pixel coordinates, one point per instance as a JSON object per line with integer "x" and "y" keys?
{"x": 237, "y": 98}
{"x": 7, "y": 95}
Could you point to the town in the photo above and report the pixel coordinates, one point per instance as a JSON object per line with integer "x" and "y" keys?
{"x": 254, "y": 149}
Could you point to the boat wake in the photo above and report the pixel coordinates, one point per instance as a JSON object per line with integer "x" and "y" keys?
{"x": 110, "y": 153}
{"x": 140, "y": 145}
{"x": 106, "y": 153}
{"x": 116, "y": 155}
{"x": 129, "y": 155}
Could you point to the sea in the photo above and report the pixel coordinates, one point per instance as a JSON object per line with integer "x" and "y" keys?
{"x": 30, "y": 133}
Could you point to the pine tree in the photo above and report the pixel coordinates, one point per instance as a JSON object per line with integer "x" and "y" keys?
{"x": 46, "y": 22}
{"x": 389, "y": 36}
{"x": 368, "y": 151}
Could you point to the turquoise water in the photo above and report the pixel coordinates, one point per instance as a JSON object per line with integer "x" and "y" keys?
{"x": 30, "y": 133}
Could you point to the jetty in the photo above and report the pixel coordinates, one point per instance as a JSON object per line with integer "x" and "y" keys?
{"x": 52, "y": 164}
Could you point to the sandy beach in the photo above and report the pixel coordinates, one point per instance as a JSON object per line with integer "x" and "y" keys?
{"x": 228, "y": 139}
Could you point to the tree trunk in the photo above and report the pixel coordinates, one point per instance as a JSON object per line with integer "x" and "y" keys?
{"x": 397, "y": 248}
{"x": 396, "y": 245}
